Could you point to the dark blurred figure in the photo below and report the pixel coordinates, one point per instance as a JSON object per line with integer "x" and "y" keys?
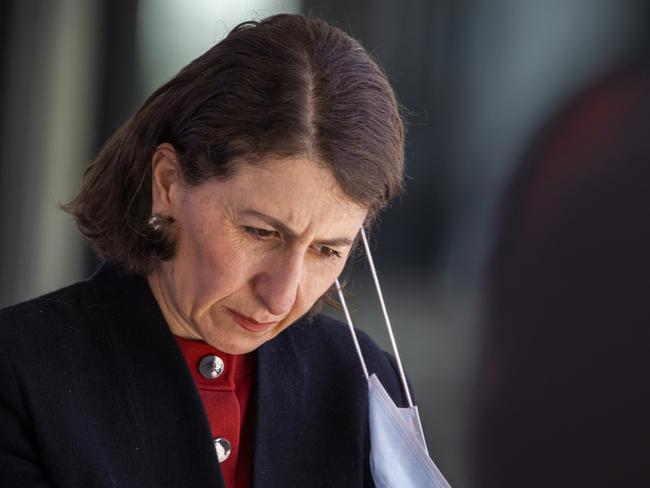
{"x": 564, "y": 387}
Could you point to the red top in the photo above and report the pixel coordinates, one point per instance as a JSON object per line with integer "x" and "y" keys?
{"x": 225, "y": 399}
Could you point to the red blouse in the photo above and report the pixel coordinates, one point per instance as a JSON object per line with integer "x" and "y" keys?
{"x": 224, "y": 382}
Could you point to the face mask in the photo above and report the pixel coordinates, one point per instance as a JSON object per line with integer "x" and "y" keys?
{"x": 398, "y": 453}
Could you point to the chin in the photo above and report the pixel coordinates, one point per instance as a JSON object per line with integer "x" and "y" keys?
{"x": 238, "y": 348}
{"x": 236, "y": 345}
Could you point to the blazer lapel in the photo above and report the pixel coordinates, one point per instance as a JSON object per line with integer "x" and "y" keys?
{"x": 280, "y": 421}
{"x": 173, "y": 431}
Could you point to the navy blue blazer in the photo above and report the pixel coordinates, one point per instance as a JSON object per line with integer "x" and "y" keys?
{"x": 94, "y": 392}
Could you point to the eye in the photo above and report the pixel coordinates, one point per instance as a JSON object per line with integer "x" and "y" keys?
{"x": 328, "y": 252}
{"x": 260, "y": 234}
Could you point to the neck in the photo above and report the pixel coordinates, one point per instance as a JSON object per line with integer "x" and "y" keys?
{"x": 177, "y": 323}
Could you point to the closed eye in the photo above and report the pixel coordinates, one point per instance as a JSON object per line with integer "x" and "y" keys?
{"x": 260, "y": 234}
{"x": 328, "y": 252}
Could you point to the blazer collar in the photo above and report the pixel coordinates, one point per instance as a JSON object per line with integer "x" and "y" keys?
{"x": 281, "y": 417}
{"x": 154, "y": 369}
{"x": 168, "y": 414}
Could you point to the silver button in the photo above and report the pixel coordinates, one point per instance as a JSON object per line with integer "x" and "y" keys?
{"x": 223, "y": 448}
{"x": 211, "y": 367}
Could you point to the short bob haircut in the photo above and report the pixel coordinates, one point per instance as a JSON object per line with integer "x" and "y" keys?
{"x": 285, "y": 86}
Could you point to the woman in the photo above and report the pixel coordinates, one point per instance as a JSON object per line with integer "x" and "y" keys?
{"x": 224, "y": 209}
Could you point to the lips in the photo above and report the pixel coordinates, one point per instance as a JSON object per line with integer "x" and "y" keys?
{"x": 249, "y": 323}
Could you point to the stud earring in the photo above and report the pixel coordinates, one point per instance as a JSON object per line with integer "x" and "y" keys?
{"x": 157, "y": 222}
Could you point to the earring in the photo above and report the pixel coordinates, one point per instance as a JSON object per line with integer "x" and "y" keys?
{"x": 157, "y": 222}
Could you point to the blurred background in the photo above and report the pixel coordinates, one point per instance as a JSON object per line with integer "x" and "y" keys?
{"x": 485, "y": 86}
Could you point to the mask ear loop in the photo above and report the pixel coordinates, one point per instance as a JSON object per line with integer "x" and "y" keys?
{"x": 354, "y": 335}
{"x": 386, "y": 319}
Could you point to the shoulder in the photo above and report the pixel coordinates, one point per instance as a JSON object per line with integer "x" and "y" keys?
{"x": 45, "y": 344}
{"x": 327, "y": 344}
{"x": 42, "y": 324}
{"x": 323, "y": 333}
{"x": 43, "y": 308}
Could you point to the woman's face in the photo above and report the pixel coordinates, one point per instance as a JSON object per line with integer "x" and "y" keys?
{"x": 254, "y": 252}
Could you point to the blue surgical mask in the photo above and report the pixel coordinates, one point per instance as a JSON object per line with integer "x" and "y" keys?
{"x": 398, "y": 453}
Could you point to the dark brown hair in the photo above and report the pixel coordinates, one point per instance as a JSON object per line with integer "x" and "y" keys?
{"x": 285, "y": 86}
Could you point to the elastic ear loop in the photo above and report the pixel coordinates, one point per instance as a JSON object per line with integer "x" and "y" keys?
{"x": 354, "y": 334}
{"x": 386, "y": 320}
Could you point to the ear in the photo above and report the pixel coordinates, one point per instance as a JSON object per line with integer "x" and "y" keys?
{"x": 166, "y": 179}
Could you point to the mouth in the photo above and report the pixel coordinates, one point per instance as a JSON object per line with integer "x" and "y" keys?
{"x": 249, "y": 323}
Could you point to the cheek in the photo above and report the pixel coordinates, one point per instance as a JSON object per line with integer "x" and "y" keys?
{"x": 209, "y": 266}
{"x": 319, "y": 279}
{"x": 209, "y": 241}
{"x": 222, "y": 266}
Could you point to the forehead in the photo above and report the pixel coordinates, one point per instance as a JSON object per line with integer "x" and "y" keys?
{"x": 298, "y": 191}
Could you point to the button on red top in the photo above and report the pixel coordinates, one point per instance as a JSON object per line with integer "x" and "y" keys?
{"x": 226, "y": 402}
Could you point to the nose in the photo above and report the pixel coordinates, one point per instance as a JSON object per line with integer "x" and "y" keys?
{"x": 276, "y": 286}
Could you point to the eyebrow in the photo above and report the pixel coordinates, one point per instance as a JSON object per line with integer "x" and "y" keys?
{"x": 283, "y": 228}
